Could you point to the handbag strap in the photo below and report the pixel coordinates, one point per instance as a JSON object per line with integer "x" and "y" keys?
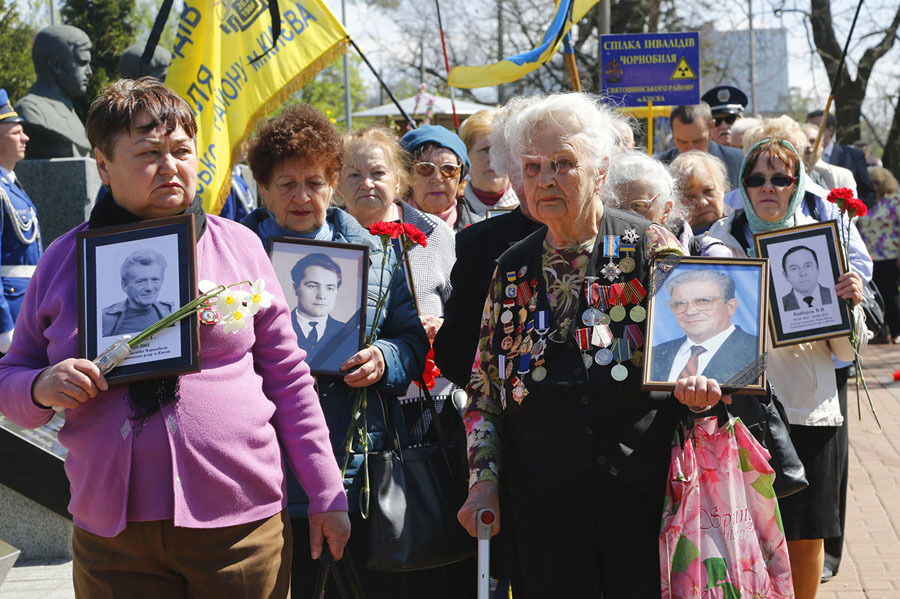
{"x": 344, "y": 574}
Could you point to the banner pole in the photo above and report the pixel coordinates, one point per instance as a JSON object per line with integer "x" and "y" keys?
{"x": 390, "y": 94}
{"x": 569, "y": 53}
{"x": 650, "y": 128}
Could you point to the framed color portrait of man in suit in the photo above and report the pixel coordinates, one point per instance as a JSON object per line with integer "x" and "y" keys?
{"x": 130, "y": 277}
{"x": 325, "y": 286}
{"x": 805, "y": 263}
{"x": 707, "y": 317}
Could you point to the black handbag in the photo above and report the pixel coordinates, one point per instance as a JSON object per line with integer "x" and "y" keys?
{"x": 873, "y": 306}
{"x": 765, "y": 419}
{"x": 344, "y": 574}
{"x": 416, "y": 493}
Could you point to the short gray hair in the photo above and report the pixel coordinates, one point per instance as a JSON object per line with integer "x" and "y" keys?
{"x": 582, "y": 118}
{"x": 143, "y": 257}
{"x": 501, "y": 159}
{"x": 689, "y": 163}
{"x": 725, "y": 282}
{"x": 637, "y": 167}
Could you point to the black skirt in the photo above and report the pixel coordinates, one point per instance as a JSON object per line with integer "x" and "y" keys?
{"x": 813, "y": 513}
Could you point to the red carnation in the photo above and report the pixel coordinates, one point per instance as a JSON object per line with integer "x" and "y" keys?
{"x": 897, "y": 375}
{"x": 856, "y": 207}
{"x": 415, "y": 234}
{"x": 839, "y": 195}
{"x": 384, "y": 230}
{"x": 431, "y": 370}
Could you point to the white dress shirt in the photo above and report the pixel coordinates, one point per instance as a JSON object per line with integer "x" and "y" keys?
{"x": 711, "y": 346}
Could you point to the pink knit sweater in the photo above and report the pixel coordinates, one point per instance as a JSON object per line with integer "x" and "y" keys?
{"x": 253, "y": 393}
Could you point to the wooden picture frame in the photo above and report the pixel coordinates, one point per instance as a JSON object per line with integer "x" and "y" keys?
{"x": 805, "y": 264}
{"x": 335, "y": 299}
{"x": 129, "y": 277}
{"x": 719, "y": 302}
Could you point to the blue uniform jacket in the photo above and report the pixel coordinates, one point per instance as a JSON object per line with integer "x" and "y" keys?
{"x": 400, "y": 338}
{"x": 12, "y": 251}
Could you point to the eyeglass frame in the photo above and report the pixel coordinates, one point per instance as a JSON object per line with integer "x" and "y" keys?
{"x": 673, "y": 304}
{"x": 728, "y": 118}
{"x": 770, "y": 180}
{"x": 440, "y": 168}
{"x": 554, "y": 165}
{"x": 650, "y": 203}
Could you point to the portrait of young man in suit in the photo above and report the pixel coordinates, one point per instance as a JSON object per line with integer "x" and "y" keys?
{"x": 328, "y": 342}
{"x": 800, "y": 266}
{"x": 703, "y": 303}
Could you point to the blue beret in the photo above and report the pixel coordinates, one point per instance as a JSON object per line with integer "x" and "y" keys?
{"x": 436, "y": 134}
{"x": 7, "y": 113}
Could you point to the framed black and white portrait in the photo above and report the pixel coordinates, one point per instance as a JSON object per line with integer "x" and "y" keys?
{"x": 325, "y": 285}
{"x": 129, "y": 278}
{"x": 707, "y": 317}
{"x": 805, "y": 264}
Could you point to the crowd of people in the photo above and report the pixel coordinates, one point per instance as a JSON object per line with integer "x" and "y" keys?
{"x": 229, "y": 478}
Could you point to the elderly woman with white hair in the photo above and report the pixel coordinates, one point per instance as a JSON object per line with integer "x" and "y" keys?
{"x": 555, "y": 395}
{"x": 640, "y": 184}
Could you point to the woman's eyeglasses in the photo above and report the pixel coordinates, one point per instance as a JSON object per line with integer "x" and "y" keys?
{"x": 426, "y": 169}
{"x": 642, "y": 206}
{"x": 559, "y": 167}
{"x": 776, "y": 180}
{"x": 728, "y": 118}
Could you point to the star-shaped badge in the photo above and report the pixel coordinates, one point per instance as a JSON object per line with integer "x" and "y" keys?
{"x": 631, "y": 236}
{"x": 610, "y": 271}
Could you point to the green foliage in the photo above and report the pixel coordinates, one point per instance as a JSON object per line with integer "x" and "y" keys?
{"x": 109, "y": 24}
{"x": 326, "y": 90}
{"x": 16, "y": 68}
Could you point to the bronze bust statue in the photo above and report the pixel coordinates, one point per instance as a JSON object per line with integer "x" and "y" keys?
{"x": 130, "y": 62}
{"x": 62, "y": 62}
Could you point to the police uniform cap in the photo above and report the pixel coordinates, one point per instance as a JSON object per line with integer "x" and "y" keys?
{"x": 725, "y": 99}
{"x": 7, "y": 114}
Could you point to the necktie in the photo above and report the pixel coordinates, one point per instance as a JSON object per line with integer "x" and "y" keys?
{"x": 313, "y": 333}
{"x": 690, "y": 369}
{"x": 809, "y": 300}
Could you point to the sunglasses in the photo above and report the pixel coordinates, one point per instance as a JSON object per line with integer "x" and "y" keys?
{"x": 728, "y": 118}
{"x": 776, "y": 180}
{"x": 426, "y": 169}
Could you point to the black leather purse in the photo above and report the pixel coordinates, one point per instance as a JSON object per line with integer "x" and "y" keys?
{"x": 416, "y": 493}
{"x": 344, "y": 574}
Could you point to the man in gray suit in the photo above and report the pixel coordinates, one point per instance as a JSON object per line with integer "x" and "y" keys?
{"x": 691, "y": 127}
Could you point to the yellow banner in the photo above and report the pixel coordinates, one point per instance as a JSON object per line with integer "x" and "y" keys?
{"x": 213, "y": 69}
{"x": 513, "y": 68}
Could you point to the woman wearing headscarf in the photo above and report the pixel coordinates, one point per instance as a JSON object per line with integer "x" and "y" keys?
{"x": 438, "y": 163}
{"x": 802, "y": 376}
{"x": 177, "y": 482}
{"x": 584, "y": 449}
{"x": 296, "y": 158}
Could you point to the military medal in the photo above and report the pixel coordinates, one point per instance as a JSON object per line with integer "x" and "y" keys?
{"x": 627, "y": 263}
{"x": 637, "y": 358}
{"x": 603, "y": 357}
{"x": 638, "y": 314}
{"x": 506, "y": 317}
{"x": 619, "y": 372}
{"x": 519, "y": 392}
{"x": 621, "y": 351}
{"x": 208, "y": 314}
{"x": 538, "y": 374}
{"x": 583, "y": 338}
{"x": 506, "y": 343}
{"x": 617, "y": 313}
{"x": 630, "y": 236}
{"x": 522, "y": 271}
{"x": 610, "y": 271}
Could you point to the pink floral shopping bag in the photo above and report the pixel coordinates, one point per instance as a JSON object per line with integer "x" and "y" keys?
{"x": 721, "y": 534}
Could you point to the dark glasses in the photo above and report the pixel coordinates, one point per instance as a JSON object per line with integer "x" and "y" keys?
{"x": 426, "y": 169}
{"x": 728, "y": 118}
{"x": 777, "y": 181}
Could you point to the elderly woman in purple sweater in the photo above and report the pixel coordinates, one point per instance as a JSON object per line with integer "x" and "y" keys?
{"x": 177, "y": 486}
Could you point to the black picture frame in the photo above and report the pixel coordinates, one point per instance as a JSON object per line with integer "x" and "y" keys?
{"x": 788, "y": 250}
{"x": 737, "y": 362}
{"x": 103, "y": 302}
{"x": 345, "y": 331}
{"x": 492, "y": 212}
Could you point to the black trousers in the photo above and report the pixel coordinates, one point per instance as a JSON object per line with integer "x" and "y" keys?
{"x": 886, "y": 276}
{"x": 834, "y": 546}
{"x": 599, "y": 538}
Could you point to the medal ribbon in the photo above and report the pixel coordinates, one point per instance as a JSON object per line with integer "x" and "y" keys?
{"x": 611, "y": 246}
{"x": 621, "y": 350}
{"x": 511, "y": 276}
{"x": 541, "y": 318}
{"x": 634, "y": 336}
{"x": 501, "y": 364}
{"x": 525, "y": 363}
{"x": 627, "y": 247}
{"x": 618, "y": 294}
{"x": 635, "y": 291}
{"x": 523, "y": 293}
{"x": 583, "y": 337}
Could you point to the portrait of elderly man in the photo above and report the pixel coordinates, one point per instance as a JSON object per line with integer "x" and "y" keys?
{"x": 142, "y": 275}
{"x": 328, "y": 342}
{"x": 800, "y": 266}
{"x": 62, "y": 64}
{"x": 703, "y": 303}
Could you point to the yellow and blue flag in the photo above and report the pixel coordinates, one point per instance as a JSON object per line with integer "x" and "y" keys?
{"x": 568, "y": 12}
{"x": 214, "y": 69}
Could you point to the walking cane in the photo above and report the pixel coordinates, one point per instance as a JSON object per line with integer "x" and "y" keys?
{"x": 484, "y": 519}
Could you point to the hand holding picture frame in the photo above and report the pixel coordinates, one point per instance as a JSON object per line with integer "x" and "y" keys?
{"x": 129, "y": 277}
{"x": 806, "y": 262}
{"x": 326, "y": 286}
{"x": 707, "y": 317}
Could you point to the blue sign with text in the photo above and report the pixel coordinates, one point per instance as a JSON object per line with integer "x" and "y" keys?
{"x": 663, "y": 68}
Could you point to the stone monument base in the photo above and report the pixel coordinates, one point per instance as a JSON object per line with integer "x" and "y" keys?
{"x": 63, "y": 191}
{"x": 38, "y": 532}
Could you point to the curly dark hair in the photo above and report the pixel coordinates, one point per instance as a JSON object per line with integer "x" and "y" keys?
{"x": 300, "y": 132}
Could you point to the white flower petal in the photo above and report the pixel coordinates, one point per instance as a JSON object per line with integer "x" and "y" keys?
{"x": 205, "y": 286}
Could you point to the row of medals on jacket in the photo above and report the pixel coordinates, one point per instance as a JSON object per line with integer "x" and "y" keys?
{"x": 606, "y": 304}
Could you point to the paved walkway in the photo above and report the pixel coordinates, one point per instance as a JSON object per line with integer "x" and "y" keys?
{"x": 871, "y": 566}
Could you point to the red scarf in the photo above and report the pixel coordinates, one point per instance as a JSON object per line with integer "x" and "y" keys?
{"x": 489, "y": 199}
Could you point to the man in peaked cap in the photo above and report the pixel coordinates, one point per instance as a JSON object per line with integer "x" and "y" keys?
{"x": 727, "y": 104}
{"x": 20, "y": 235}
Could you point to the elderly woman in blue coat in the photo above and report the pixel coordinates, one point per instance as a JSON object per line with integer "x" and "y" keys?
{"x": 296, "y": 159}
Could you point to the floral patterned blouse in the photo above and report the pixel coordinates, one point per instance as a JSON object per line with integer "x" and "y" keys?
{"x": 880, "y": 229}
{"x": 563, "y": 272}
